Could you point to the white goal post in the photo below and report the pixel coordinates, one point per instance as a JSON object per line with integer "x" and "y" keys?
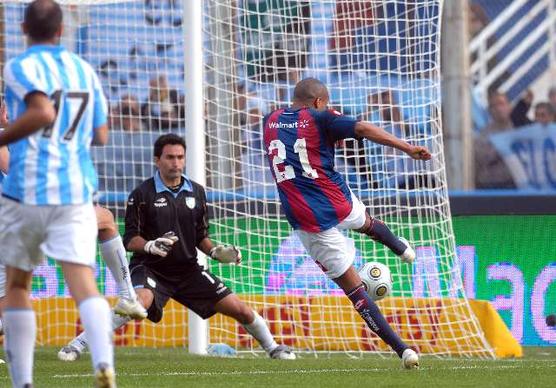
{"x": 209, "y": 70}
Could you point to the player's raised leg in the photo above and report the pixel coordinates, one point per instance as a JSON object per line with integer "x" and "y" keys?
{"x": 114, "y": 255}
{"x": 255, "y": 325}
{"x": 378, "y": 231}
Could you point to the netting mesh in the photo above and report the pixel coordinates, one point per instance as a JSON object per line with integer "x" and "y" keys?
{"x": 380, "y": 61}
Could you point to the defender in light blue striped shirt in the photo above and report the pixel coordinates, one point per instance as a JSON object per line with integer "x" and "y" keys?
{"x": 57, "y": 110}
{"x": 53, "y": 165}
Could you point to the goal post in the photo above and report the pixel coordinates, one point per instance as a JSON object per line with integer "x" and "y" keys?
{"x": 195, "y": 140}
{"x": 209, "y": 70}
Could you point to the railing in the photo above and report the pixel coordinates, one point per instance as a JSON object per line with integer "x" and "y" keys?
{"x": 510, "y": 64}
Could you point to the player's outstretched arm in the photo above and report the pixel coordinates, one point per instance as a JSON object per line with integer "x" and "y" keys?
{"x": 378, "y": 135}
{"x": 39, "y": 113}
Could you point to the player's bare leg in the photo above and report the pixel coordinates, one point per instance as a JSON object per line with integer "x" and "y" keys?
{"x": 73, "y": 350}
{"x": 351, "y": 283}
{"x": 255, "y": 325}
{"x": 378, "y": 231}
{"x": 114, "y": 255}
{"x": 95, "y": 316}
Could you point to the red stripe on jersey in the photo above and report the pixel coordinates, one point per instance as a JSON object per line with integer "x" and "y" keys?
{"x": 301, "y": 210}
{"x": 335, "y": 195}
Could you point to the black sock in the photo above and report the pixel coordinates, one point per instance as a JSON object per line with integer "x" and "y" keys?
{"x": 378, "y": 231}
{"x": 372, "y": 316}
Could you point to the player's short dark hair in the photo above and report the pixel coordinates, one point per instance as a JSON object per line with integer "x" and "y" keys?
{"x": 43, "y": 19}
{"x": 168, "y": 139}
{"x": 309, "y": 89}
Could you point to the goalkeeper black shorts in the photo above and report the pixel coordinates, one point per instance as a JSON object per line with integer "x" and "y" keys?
{"x": 199, "y": 291}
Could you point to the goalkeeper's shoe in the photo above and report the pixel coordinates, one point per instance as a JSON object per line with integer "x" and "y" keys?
{"x": 410, "y": 359}
{"x": 69, "y": 353}
{"x": 105, "y": 376}
{"x": 128, "y": 307}
{"x": 282, "y": 352}
{"x": 409, "y": 254}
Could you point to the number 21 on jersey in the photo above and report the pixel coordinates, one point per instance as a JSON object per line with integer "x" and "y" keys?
{"x": 282, "y": 170}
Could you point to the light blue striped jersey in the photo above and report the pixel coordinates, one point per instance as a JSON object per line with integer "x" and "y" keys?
{"x": 53, "y": 166}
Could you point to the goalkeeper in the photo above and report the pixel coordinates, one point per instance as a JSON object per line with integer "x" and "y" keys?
{"x": 165, "y": 223}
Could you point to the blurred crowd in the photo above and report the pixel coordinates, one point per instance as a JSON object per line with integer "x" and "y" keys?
{"x": 163, "y": 110}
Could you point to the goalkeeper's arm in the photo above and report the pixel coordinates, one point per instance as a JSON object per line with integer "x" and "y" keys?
{"x": 223, "y": 253}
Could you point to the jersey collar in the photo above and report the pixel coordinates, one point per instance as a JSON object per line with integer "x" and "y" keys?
{"x": 45, "y": 47}
{"x": 160, "y": 186}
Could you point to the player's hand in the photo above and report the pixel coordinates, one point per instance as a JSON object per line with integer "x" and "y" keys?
{"x": 419, "y": 153}
{"x": 162, "y": 245}
{"x": 226, "y": 254}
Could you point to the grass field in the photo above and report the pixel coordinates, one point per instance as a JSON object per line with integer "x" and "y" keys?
{"x": 175, "y": 368}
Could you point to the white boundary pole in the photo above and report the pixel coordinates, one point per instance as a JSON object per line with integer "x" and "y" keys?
{"x": 456, "y": 99}
{"x": 195, "y": 134}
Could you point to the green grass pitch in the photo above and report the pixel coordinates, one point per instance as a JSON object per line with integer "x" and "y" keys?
{"x": 175, "y": 368}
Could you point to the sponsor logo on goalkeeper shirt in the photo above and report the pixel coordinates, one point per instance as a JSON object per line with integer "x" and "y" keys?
{"x": 160, "y": 202}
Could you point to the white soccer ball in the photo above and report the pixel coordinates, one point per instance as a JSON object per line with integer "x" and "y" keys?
{"x": 377, "y": 280}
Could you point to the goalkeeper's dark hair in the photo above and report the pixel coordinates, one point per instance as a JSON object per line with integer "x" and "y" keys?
{"x": 309, "y": 89}
{"x": 167, "y": 139}
{"x": 43, "y": 20}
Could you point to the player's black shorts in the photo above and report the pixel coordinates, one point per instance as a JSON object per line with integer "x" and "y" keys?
{"x": 198, "y": 291}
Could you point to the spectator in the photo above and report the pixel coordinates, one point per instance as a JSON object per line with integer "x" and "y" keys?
{"x": 552, "y": 97}
{"x": 165, "y": 107}
{"x": 126, "y": 116}
{"x": 478, "y": 19}
{"x": 519, "y": 113}
{"x": 544, "y": 113}
{"x": 500, "y": 112}
{"x": 490, "y": 170}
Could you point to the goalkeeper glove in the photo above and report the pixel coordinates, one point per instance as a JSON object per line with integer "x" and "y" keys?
{"x": 162, "y": 245}
{"x": 225, "y": 254}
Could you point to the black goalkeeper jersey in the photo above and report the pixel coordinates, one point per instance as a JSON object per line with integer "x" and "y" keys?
{"x": 150, "y": 214}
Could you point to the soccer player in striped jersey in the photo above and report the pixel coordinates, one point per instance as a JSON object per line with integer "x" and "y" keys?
{"x": 58, "y": 109}
{"x": 317, "y": 201}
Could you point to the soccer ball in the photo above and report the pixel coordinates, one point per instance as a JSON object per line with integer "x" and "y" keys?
{"x": 377, "y": 280}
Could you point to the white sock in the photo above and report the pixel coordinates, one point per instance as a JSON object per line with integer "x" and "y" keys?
{"x": 261, "y": 332}
{"x": 95, "y": 316}
{"x": 19, "y": 344}
{"x": 114, "y": 255}
{"x": 80, "y": 342}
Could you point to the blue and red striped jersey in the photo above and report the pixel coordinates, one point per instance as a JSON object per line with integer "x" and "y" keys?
{"x": 300, "y": 146}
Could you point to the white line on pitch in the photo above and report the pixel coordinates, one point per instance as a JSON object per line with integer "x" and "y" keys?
{"x": 289, "y": 371}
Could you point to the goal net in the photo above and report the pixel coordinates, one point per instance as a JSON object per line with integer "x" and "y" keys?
{"x": 380, "y": 61}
